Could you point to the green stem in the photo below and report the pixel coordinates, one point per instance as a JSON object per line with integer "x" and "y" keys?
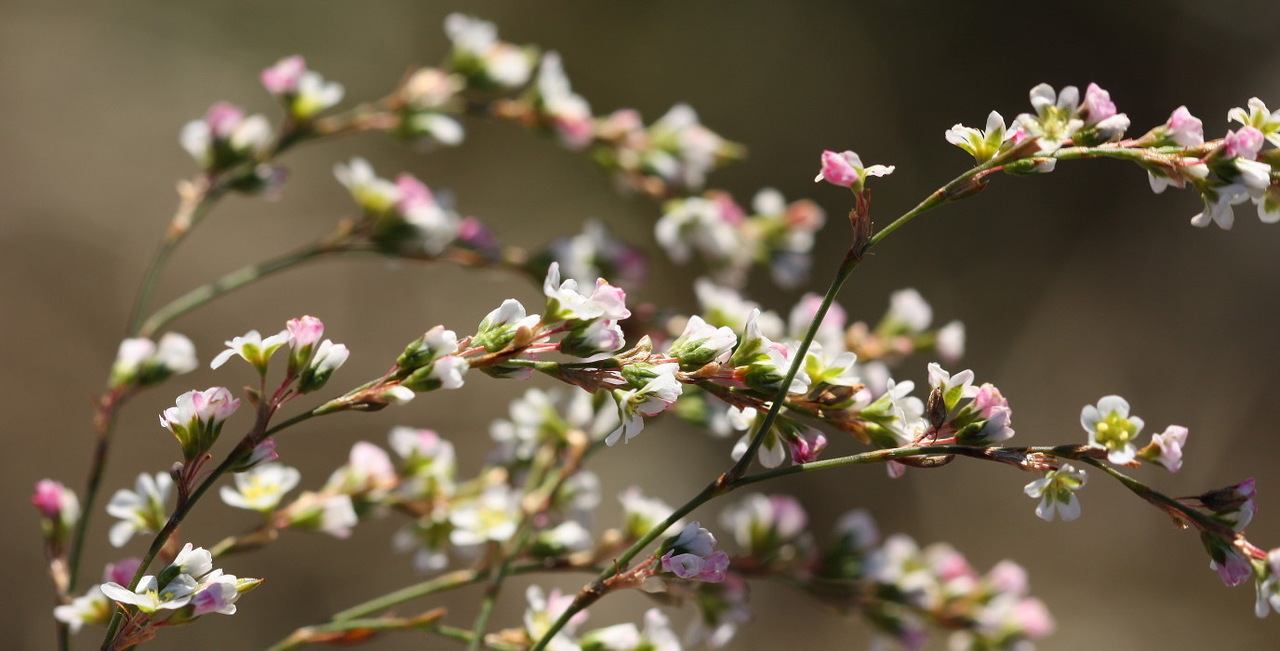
{"x": 440, "y": 583}
{"x": 597, "y": 588}
{"x": 230, "y": 282}
{"x": 847, "y": 266}
{"x": 189, "y": 216}
{"x": 1160, "y": 500}
{"x": 362, "y": 626}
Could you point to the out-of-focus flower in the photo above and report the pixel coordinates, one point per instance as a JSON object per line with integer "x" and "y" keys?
{"x": 566, "y": 112}
{"x": 482, "y": 58}
{"x": 489, "y": 517}
{"x": 141, "y": 510}
{"x": 404, "y": 215}
{"x": 225, "y": 137}
{"x": 544, "y": 609}
{"x": 642, "y": 513}
{"x": 59, "y": 508}
{"x": 144, "y": 362}
{"x": 304, "y": 92}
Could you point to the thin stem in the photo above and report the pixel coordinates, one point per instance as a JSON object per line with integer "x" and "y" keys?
{"x": 232, "y": 281}
{"x": 847, "y": 266}
{"x": 196, "y": 202}
{"x": 360, "y": 629}
{"x": 579, "y": 445}
{"x": 1160, "y": 500}
{"x": 597, "y": 588}
{"x": 440, "y": 583}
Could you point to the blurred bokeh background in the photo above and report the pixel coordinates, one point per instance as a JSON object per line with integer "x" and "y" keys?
{"x": 1073, "y": 285}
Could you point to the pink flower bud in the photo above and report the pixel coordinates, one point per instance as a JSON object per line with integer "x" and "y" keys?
{"x": 223, "y": 118}
{"x": 304, "y": 331}
{"x": 840, "y": 168}
{"x": 1097, "y": 102}
{"x": 283, "y": 77}
{"x": 1246, "y": 143}
{"x": 1184, "y": 128}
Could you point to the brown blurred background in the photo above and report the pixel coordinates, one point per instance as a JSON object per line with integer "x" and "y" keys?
{"x": 1073, "y": 285}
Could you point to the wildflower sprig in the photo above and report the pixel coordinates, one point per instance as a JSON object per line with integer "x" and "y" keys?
{"x": 734, "y": 367}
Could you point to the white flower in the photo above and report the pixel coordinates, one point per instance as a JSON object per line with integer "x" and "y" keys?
{"x": 653, "y": 398}
{"x": 644, "y": 513}
{"x": 1056, "y": 492}
{"x": 1217, "y": 206}
{"x": 724, "y": 306}
{"x": 252, "y": 348}
{"x": 329, "y": 513}
{"x": 490, "y": 517}
{"x": 949, "y": 342}
{"x": 150, "y": 597}
{"x": 262, "y": 487}
{"x": 90, "y": 608}
{"x": 140, "y": 510}
{"x": 908, "y": 309}
{"x": 193, "y": 561}
{"x": 502, "y": 63}
{"x": 982, "y": 145}
{"x": 1110, "y": 426}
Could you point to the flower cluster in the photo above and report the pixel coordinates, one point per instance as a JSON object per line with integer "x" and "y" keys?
{"x": 691, "y": 554}
{"x": 142, "y": 362}
{"x": 733, "y": 368}
{"x": 311, "y": 361}
{"x": 188, "y": 588}
{"x": 485, "y": 61}
{"x": 776, "y": 234}
{"x": 673, "y": 154}
{"x": 304, "y": 93}
{"x": 403, "y": 216}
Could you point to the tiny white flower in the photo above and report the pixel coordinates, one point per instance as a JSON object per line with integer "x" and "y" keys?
{"x": 490, "y": 517}
{"x": 1056, "y": 492}
{"x": 262, "y": 487}
{"x": 1110, "y": 426}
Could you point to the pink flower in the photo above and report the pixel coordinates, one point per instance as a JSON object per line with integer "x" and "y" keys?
{"x": 304, "y": 331}
{"x": 711, "y": 569}
{"x": 1184, "y": 128}
{"x": 197, "y": 419}
{"x": 840, "y": 168}
{"x": 58, "y": 505}
{"x": 806, "y": 446}
{"x": 612, "y": 300}
{"x": 1097, "y": 102}
{"x": 1234, "y": 568}
{"x": 283, "y": 77}
{"x": 1165, "y": 448}
{"x": 1246, "y": 143}
{"x": 121, "y": 571}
